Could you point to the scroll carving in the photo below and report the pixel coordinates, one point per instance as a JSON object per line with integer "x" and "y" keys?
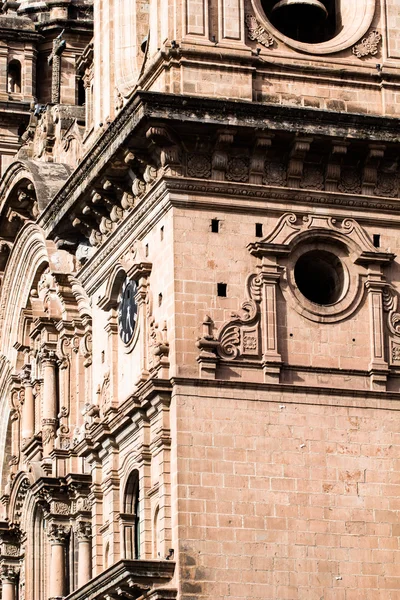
{"x": 240, "y": 335}
{"x": 390, "y": 306}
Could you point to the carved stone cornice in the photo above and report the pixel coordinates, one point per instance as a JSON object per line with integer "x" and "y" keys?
{"x": 208, "y": 111}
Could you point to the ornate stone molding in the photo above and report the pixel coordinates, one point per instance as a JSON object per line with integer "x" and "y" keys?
{"x": 58, "y": 533}
{"x": 368, "y": 45}
{"x": 84, "y": 531}
{"x": 256, "y": 32}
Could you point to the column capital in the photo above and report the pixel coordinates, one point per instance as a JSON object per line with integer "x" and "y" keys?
{"x": 25, "y": 375}
{"x": 58, "y": 534}
{"x": 48, "y": 356}
{"x": 84, "y": 531}
{"x": 8, "y": 573}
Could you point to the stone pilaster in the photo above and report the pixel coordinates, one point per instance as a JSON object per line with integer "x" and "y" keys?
{"x": 28, "y": 408}
{"x": 49, "y": 417}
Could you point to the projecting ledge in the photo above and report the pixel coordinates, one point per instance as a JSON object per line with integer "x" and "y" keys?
{"x": 130, "y": 579}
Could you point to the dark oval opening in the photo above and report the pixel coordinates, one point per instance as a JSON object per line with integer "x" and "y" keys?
{"x": 319, "y": 275}
{"x": 309, "y": 21}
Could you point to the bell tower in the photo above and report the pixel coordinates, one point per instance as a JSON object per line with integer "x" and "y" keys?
{"x": 199, "y": 309}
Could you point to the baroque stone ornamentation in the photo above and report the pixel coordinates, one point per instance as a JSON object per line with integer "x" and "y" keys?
{"x": 313, "y": 178}
{"x": 239, "y": 336}
{"x": 256, "y": 31}
{"x": 275, "y": 173}
{"x": 390, "y": 305}
{"x": 396, "y": 353}
{"x": 368, "y": 45}
{"x": 58, "y": 533}
{"x": 238, "y": 169}
{"x": 199, "y": 165}
{"x": 350, "y": 182}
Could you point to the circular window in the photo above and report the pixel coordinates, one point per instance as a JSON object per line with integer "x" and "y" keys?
{"x": 319, "y": 275}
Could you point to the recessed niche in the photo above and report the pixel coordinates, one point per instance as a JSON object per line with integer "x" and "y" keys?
{"x": 319, "y": 275}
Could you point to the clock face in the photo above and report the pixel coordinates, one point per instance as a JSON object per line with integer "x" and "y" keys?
{"x": 127, "y": 311}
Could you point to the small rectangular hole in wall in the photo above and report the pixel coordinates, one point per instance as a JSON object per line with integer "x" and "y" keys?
{"x": 147, "y": 250}
{"x": 221, "y": 290}
{"x": 162, "y": 233}
{"x": 214, "y": 225}
{"x": 377, "y": 240}
{"x": 259, "y": 230}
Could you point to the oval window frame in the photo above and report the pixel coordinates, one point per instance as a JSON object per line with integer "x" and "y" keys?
{"x": 356, "y": 22}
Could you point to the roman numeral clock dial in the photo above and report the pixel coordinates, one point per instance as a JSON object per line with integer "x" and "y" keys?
{"x": 127, "y": 311}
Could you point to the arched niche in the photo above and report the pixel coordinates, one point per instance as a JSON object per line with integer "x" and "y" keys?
{"x": 14, "y": 77}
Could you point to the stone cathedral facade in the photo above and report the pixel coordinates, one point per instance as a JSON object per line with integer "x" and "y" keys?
{"x": 199, "y": 300}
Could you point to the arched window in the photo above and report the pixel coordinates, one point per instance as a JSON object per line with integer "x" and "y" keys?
{"x": 131, "y": 517}
{"x": 14, "y": 77}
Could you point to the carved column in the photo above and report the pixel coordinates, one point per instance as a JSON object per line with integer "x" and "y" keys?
{"x": 58, "y": 539}
{"x": 49, "y": 420}
{"x": 84, "y": 535}
{"x": 8, "y": 583}
{"x": 28, "y": 408}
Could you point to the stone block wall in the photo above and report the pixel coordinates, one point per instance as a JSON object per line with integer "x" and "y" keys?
{"x": 287, "y": 494}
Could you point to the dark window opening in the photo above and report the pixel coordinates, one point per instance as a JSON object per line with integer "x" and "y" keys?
{"x": 162, "y": 233}
{"x": 214, "y": 225}
{"x": 309, "y": 21}
{"x": 14, "y": 77}
{"x": 259, "y": 230}
{"x": 221, "y": 289}
{"x": 81, "y": 92}
{"x": 319, "y": 275}
{"x": 21, "y": 130}
{"x": 377, "y": 240}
